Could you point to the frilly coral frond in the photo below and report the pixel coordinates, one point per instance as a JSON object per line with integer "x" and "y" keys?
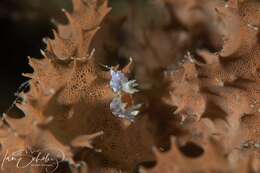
{"x": 211, "y": 160}
{"x": 208, "y": 98}
{"x": 228, "y": 80}
{"x": 69, "y": 89}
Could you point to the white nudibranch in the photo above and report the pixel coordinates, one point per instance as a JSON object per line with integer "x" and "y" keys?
{"x": 122, "y": 110}
{"x": 121, "y": 86}
{"x": 120, "y": 83}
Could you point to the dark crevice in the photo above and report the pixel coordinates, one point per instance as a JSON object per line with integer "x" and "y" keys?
{"x": 145, "y": 164}
{"x": 15, "y": 112}
{"x": 199, "y": 58}
{"x": 258, "y": 72}
{"x": 208, "y": 91}
{"x": 213, "y": 111}
{"x": 192, "y": 150}
{"x": 239, "y": 83}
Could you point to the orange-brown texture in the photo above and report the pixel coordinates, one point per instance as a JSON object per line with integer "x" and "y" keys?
{"x": 198, "y": 69}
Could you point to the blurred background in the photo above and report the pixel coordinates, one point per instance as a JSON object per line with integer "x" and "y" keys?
{"x": 24, "y": 23}
{"x": 173, "y": 29}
